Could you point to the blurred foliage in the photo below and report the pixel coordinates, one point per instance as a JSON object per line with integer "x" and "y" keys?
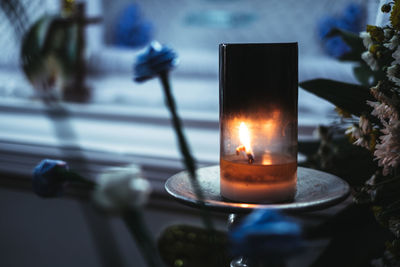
{"x": 339, "y": 157}
{"x": 376, "y": 55}
{"x": 16, "y": 14}
{"x": 349, "y": 97}
{"x": 49, "y": 51}
{"x": 190, "y": 246}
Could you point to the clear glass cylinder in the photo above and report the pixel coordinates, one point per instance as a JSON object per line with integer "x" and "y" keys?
{"x": 258, "y": 122}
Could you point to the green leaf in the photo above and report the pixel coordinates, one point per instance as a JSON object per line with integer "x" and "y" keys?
{"x": 353, "y": 40}
{"x": 395, "y": 15}
{"x": 363, "y": 74}
{"x": 308, "y": 148}
{"x": 349, "y": 97}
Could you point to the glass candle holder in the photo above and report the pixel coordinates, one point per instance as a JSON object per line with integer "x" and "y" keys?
{"x": 258, "y": 121}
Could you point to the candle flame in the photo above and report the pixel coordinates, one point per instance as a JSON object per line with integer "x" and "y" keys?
{"x": 244, "y": 137}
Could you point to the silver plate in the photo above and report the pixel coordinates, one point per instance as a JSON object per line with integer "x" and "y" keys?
{"x": 315, "y": 190}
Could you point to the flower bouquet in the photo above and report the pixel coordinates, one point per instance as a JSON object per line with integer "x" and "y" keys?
{"x": 370, "y": 118}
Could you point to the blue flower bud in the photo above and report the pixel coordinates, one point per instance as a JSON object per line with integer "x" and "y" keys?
{"x": 47, "y": 179}
{"x": 154, "y": 61}
{"x": 266, "y": 235}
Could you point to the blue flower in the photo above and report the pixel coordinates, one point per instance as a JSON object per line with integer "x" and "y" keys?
{"x": 48, "y": 180}
{"x": 266, "y": 235}
{"x": 350, "y": 20}
{"x": 336, "y": 47}
{"x": 131, "y": 29}
{"x": 353, "y": 15}
{"x": 154, "y": 61}
{"x": 326, "y": 25}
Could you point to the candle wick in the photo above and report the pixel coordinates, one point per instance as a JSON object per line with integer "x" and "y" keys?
{"x": 250, "y": 157}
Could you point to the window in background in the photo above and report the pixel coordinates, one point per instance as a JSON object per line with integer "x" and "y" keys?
{"x": 128, "y": 120}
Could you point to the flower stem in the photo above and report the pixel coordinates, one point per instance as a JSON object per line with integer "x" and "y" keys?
{"x": 134, "y": 220}
{"x": 72, "y": 176}
{"x": 184, "y": 148}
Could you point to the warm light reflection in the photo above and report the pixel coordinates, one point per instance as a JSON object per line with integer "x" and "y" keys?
{"x": 266, "y": 159}
{"x": 270, "y": 129}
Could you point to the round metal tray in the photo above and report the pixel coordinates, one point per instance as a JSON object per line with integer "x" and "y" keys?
{"x": 315, "y": 190}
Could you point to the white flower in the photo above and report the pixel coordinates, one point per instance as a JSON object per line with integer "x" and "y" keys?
{"x": 388, "y": 33}
{"x": 357, "y": 133}
{"x": 393, "y": 42}
{"x": 360, "y": 132}
{"x": 120, "y": 188}
{"x": 367, "y": 40}
{"x": 396, "y": 56}
{"x": 363, "y": 142}
{"x": 369, "y": 58}
{"x": 392, "y": 72}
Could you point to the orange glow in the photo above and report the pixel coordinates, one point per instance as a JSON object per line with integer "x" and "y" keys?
{"x": 244, "y": 137}
{"x": 266, "y": 159}
{"x": 270, "y": 128}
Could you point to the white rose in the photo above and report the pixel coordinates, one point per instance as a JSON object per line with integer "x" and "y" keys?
{"x": 121, "y": 188}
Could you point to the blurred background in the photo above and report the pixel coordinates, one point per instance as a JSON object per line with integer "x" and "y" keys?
{"x": 122, "y": 122}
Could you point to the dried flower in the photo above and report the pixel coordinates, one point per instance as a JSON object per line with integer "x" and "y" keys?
{"x": 364, "y": 125}
{"x": 154, "y": 61}
{"x": 388, "y": 150}
{"x": 120, "y": 188}
{"x": 48, "y": 180}
{"x": 369, "y": 58}
{"x": 393, "y": 72}
{"x": 377, "y": 93}
{"x": 266, "y": 235}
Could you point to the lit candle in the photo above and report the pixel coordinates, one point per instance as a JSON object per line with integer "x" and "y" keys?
{"x": 244, "y": 137}
{"x": 258, "y": 122}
